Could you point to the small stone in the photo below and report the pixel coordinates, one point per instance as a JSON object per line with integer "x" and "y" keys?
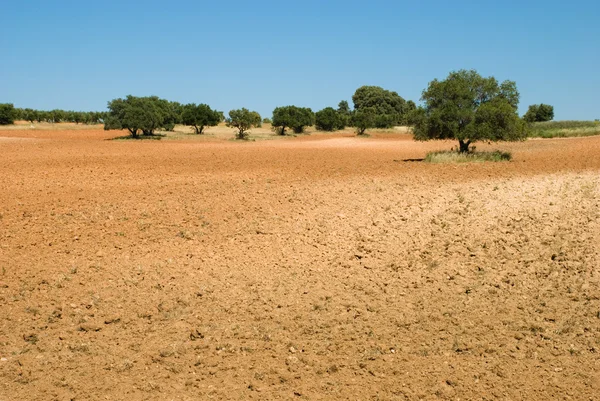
{"x": 293, "y": 350}
{"x": 3, "y": 359}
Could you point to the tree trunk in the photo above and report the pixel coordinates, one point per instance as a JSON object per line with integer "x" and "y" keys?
{"x": 133, "y": 132}
{"x": 464, "y": 146}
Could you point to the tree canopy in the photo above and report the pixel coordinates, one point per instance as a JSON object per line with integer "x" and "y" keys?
{"x": 199, "y": 116}
{"x": 387, "y": 107}
{"x": 468, "y": 107}
{"x": 296, "y": 118}
{"x": 539, "y": 113}
{"x": 243, "y": 119}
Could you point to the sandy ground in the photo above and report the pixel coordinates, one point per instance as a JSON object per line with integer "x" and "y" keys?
{"x": 320, "y": 267}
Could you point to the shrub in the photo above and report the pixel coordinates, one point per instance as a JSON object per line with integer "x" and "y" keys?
{"x": 467, "y": 157}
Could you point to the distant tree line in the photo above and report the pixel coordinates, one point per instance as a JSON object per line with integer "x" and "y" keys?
{"x": 146, "y": 115}
{"x": 9, "y": 114}
{"x": 465, "y": 106}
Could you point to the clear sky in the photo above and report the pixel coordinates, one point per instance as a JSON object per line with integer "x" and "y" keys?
{"x": 262, "y": 54}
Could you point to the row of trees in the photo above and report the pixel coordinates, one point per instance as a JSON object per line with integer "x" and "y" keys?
{"x": 9, "y": 114}
{"x": 146, "y": 115}
{"x": 465, "y": 106}
{"x": 374, "y": 107}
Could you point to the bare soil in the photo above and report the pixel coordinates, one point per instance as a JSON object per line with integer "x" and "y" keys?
{"x": 317, "y": 267}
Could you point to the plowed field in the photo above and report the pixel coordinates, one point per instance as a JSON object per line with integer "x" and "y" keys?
{"x": 319, "y": 267}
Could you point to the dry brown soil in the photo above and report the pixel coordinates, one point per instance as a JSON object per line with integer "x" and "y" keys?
{"x": 310, "y": 268}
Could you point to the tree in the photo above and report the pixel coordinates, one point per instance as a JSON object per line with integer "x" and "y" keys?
{"x": 345, "y": 112}
{"x": 200, "y": 116}
{"x": 409, "y": 111}
{"x": 329, "y": 119}
{"x": 243, "y": 119}
{"x": 258, "y": 118}
{"x": 344, "y": 108}
{"x": 363, "y": 119}
{"x": 7, "y": 113}
{"x": 388, "y": 107}
{"x": 30, "y": 115}
{"x": 146, "y": 114}
{"x": 292, "y": 117}
{"x": 539, "y": 113}
{"x": 57, "y": 116}
{"x": 468, "y": 107}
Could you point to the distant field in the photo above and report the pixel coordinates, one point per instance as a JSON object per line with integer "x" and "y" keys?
{"x": 564, "y": 129}
{"x": 182, "y": 132}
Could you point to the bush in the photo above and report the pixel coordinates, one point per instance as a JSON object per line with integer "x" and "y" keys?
{"x": 467, "y": 157}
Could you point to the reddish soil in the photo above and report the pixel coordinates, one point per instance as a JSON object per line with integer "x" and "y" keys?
{"x": 323, "y": 267}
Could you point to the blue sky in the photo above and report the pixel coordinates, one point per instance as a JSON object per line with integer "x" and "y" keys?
{"x": 262, "y": 54}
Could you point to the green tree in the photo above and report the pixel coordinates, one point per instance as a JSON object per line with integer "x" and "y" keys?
{"x": 329, "y": 119}
{"x": 363, "y": 119}
{"x": 258, "y": 118}
{"x": 243, "y": 119}
{"x": 539, "y": 113}
{"x": 146, "y": 114}
{"x": 388, "y": 107}
{"x": 57, "y": 116}
{"x": 409, "y": 111}
{"x": 292, "y": 117}
{"x": 345, "y": 112}
{"x": 30, "y": 115}
{"x": 200, "y": 116}
{"x": 19, "y": 114}
{"x": 344, "y": 108}
{"x": 7, "y": 113}
{"x": 468, "y": 107}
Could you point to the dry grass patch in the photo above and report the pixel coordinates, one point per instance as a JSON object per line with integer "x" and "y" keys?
{"x": 468, "y": 157}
